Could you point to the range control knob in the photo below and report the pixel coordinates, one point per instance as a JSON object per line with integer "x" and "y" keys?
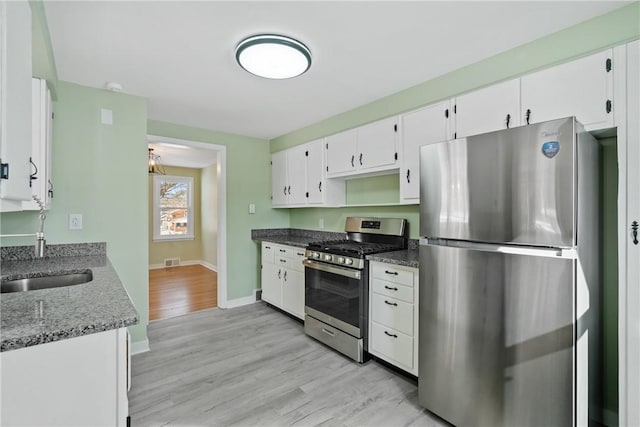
{"x": 340, "y": 260}
{"x": 315, "y": 255}
{"x": 327, "y": 257}
{"x": 348, "y": 261}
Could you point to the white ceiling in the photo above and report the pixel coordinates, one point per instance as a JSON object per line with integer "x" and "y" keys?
{"x": 180, "y": 54}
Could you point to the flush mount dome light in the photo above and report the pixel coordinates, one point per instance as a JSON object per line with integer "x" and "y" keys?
{"x": 273, "y": 56}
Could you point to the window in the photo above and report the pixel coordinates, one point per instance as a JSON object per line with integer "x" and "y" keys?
{"x": 172, "y": 208}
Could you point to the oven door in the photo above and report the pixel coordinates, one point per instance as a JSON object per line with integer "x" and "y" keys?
{"x": 335, "y": 295}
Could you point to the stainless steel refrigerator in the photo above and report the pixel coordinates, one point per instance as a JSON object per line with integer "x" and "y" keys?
{"x": 510, "y": 277}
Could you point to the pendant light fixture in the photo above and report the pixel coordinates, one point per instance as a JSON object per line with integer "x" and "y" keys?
{"x": 273, "y": 56}
{"x": 155, "y": 167}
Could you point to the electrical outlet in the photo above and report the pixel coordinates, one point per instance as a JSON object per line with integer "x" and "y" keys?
{"x": 75, "y": 221}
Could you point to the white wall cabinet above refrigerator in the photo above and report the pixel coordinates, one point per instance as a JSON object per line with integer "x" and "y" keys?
{"x": 298, "y": 178}
{"x": 15, "y": 104}
{"x": 364, "y": 151}
{"x": 491, "y": 108}
{"x": 581, "y": 88}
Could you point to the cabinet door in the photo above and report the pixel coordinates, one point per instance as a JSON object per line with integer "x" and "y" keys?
{"x": 486, "y": 110}
{"x": 316, "y": 186}
{"x": 293, "y": 292}
{"x": 272, "y": 284}
{"x": 341, "y": 153}
{"x": 424, "y": 126}
{"x": 41, "y": 145}
{"x": 296, "y": 175}
{"x": 580, "y": 88}
{"x": 377, "y": 145}
{"x": 279, "y": 195}
{"x": 15, "y": 111}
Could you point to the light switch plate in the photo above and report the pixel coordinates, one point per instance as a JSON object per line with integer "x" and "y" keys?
{"x": 106, "y": 116}
{"x": 252, "y": 208}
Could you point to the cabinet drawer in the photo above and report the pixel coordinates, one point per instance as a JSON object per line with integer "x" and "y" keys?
{"x": 393, "y": 313}
{"x": 267, "y": 252}
{"x": 392, "y": 274}
{"x": 295, "y": 262}
{"x": 392, "y": 344}
{"x": 394, "y": 290}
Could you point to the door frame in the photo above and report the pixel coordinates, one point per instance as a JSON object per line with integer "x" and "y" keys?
{"x": 222, "y": 205}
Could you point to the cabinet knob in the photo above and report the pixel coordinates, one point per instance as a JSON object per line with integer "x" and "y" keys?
{"x": 353, "y": 159}
{"x": 320, "y": 186}
{"x": 360, "y": 159}
{"x": 528, "y": 116}
{"x": 408, "y": 175}
{"x": 507, "y": 120}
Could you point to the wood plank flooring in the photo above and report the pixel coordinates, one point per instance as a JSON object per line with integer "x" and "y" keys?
{"x": 179, "y": 290}
{"x": 252, "y": 366}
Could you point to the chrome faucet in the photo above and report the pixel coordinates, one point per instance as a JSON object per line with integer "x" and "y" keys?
{"x": 39, "y": 235}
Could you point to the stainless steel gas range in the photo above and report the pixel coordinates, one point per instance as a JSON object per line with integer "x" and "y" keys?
{"x": 336, "y": 282}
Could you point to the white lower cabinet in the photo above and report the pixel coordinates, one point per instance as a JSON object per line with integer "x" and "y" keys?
{"x": 283, "y": 277}
{"x": 393, "y": 314}
{"x": 79, "y": 381}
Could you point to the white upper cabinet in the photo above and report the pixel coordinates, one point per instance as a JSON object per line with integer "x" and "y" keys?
{"x": 377, "y": 145}
{"x": 488, "y": 109}
{"x": 367, "y": 150}
{"x": 420, "y": 127}
{"x": 316, "y": 185}
{"x": 15, "y": 99}
{"x": 279, "y": 181}
{"x": 41, "y": 184}
{"x": 341, "y": 153}
{"x": 581, "y": 88}
{"x": 299, "y": 179}
{"x": 296, "y": 175}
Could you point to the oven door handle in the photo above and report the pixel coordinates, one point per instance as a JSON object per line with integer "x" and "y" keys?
{"x": 340, "y": 271}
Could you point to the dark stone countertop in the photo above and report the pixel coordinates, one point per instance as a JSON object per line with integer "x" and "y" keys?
{"x": 67, "y": 312}
{"x": 294, "y": 236}
{"x": 407, "y": 258}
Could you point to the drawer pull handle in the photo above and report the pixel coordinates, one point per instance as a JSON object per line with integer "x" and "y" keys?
{"x": 389, "y": 334}
{"x": 299, "y": 254}
{"x": 330, "y": 333}
{"x": 395, "y": 304}
{"x": 390, "y": 288}
{"x": 282, "y": 250}
{"x": 283, "y": 260}
{"x": 267, "y": 247}
{"x": 394, "y": 273}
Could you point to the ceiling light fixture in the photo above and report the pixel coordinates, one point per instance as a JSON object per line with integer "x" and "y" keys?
{"x": 273, "y": 56}
{"x": 155, "y": 167}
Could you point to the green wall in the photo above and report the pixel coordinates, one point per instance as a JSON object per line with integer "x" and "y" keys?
{"x": 186, "y": 250}
{"x": 99, "y": 171}
{"x": 609, "y": 216}
{"x": 209, "y": 214}
{"x": 248, "y": 181}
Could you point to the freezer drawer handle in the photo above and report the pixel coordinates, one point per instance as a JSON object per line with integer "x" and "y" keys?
{"x": 390, "y": 334}
{"x": 394, "y": 273}
{"x": 390, "y": 288}
{"x": 395, "y": 304}
{"x": 330, "y": 333}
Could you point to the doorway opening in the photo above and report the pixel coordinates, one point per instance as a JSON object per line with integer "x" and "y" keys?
{"x": 187, "y": 227}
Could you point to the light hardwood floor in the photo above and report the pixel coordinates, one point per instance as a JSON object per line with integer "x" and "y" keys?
{"x": 179, "y": 290}
{"x": 251, "y": 366}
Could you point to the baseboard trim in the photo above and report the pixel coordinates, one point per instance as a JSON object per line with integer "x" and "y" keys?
{"x": 184, "y": 263}
{"x": 239, "y": 302}
{"x": 140, "y": 347}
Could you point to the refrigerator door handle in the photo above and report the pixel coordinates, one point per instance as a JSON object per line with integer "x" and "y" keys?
{"x": 505, "y": 249}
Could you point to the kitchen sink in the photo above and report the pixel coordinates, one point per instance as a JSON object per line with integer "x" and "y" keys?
{"x": 46, "y": 282}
